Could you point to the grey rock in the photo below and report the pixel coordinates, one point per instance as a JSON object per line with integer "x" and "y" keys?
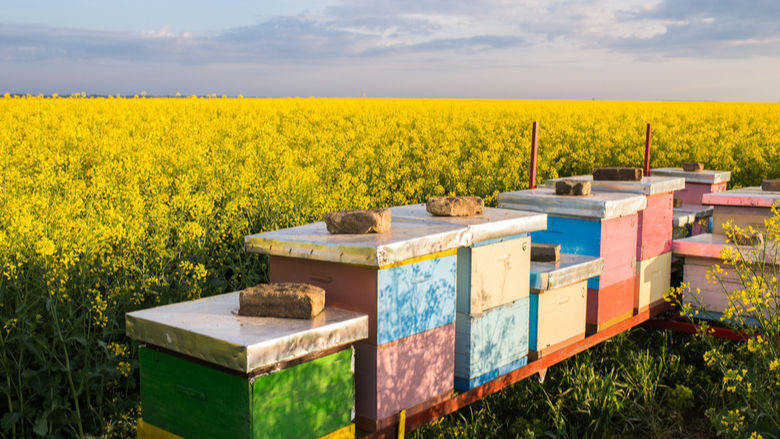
{"x": 572, "y": 187}
{"x": 545, "y": 252}
{"x": 283, "y": 299}
{"x": 358, "y": 221}
{"x": 618, "y": 174}
{"x": 455, "y": 206}
{"x": 770, "y": 185}
{"x": 693, "y": 167}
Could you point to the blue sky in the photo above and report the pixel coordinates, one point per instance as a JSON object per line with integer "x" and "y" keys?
{"x": 530, "y": 49}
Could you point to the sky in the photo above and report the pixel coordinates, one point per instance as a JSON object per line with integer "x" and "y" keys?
{"x": 712, "y": 50}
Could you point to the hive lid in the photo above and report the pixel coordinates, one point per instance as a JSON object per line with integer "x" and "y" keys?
{"x": 492, "y": 224}
{"x": 705, "y": 176}
{"x": 406, "y": 239}
{"x": 749, "y": 197}
{"x": 648, "y": 185}
{"x": 708, "y": 245}
{"x": 210, "y": 329}
{"x": 597, "y": 205}
{"x": 688, "y": 214}
{"x": 570, "y": 269}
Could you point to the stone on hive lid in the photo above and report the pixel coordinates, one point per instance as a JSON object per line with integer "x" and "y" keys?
{"x": 692, "y": 167}
{"x": 770, "y": 185}
{"x": 572, "y": 187}
{"x": 545, "y": 252}
{"x": 283, "y": 299}
{"x": 618, "y": 174}
{"x": 358, "y": 221}
{"x": 455, "y": 206}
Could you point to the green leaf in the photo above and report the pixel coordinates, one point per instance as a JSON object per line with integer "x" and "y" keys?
{"x": 9, "y": 420}
{"x": 41, "y": 427}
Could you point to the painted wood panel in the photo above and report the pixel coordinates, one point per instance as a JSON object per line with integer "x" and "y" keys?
{"x": 615, "y": 240}
{"x": 743, "y": 217}
{"x": 347, "y": 432}
{"x": 468, "y": 384}
{"x": 495, "y": 338}
{"x": 193, "y": 400}
{"x": 655, "y": 227}
{"x": 403, "y": 373}
{"x": 145, "y": 430}
{"x": 557, "y": 315}
{"x": 653, "y": 277}
{"x": 493, "y": 274}
{"x": 693, "y": 192}
{"x": 610, "y": 305}
{"x": 400, "y": 301}
{"x": 712, "y": 295}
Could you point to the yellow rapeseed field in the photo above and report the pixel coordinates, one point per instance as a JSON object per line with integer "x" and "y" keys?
{"x": 113, "y": 204}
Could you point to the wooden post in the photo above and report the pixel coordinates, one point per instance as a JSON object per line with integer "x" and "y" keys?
{"x": 647, "y": 151}
{"x": 534, "y": 140}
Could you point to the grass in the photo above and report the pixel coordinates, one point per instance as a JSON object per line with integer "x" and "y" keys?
{"x": 641, "y": 383}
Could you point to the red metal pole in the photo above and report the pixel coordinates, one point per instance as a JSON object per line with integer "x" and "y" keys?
{"x": 647, "y": 151}
{"x": 534, "y": 140}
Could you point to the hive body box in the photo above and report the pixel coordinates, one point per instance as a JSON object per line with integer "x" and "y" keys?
{"x": 208, "y": 373}
{"x": 746, "y": 207}
{"x": 603, "y": 224}
{"x": 655, "y": 220}
{"x": 559, "y": 302}
{"x": 696, "y": 183}
{"x": 690, "y": 220}
{"x": 405, "y": 280}
{"x": 493, "y": 277}
{"x": 701, "y": 252}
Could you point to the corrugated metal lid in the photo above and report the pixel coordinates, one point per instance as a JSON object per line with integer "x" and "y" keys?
{"x": 491, "y": 224}
{"x": 210, "y": 329}
{"x": 749, "y": 197}
{"x": 597, "y": 205}
{"x": 705, "y": 176}
{"x": 648, "y": 185}
{"x": 569, "y": 269}
{"x": 406, "y": 239}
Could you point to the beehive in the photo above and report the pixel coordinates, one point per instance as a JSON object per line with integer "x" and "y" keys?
{"x": 603, "y": 224}
{"x": 701, "y": 252}
{"x": 404, "y": 280}
{"x": 696, "y": 183}
{"x": 559, "y": 302}
{"x": 206, "y": 372}
{"x": 690, "y": 220}
{"x": 746, "y": 207}
{"x": 493, "y": 278}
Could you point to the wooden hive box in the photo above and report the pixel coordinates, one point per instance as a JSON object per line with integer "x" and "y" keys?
{"x": 746, "y": 207}
{"x": 696, "y": 183}
{"x": 653, "y": 278}
{"x": 405, "y": 281}
{"x": 690, "y": 220}
{"x": 654, "y": 232}
{"x": 559, "y": 301}
{"x": 602, "y": 224}
{"x": 491, "y": 344}
{"x": 701, "y": 252}
{"x": 206, "y": 372}
{"x": 493, "y": 269}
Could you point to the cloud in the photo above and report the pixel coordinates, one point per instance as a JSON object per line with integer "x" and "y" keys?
{"x": 705, "y": 29}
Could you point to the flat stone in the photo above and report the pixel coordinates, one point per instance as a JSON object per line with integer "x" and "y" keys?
{"x": 455, "y": 206}
{"x": 692, "y": 167}
{"x": 283, "y": 299}
{"x": 754, "y": 239}
{"x": 572, "y": 187}
{"x": 617, "y": 174}
{"x": 358, "y": 221}
{"x": 770, "y": 185}
{"x": 545, "y": 252}
{"x": 678, "y": 202}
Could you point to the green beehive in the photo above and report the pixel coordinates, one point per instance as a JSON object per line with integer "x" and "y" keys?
{"x": 209, "y": 373}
